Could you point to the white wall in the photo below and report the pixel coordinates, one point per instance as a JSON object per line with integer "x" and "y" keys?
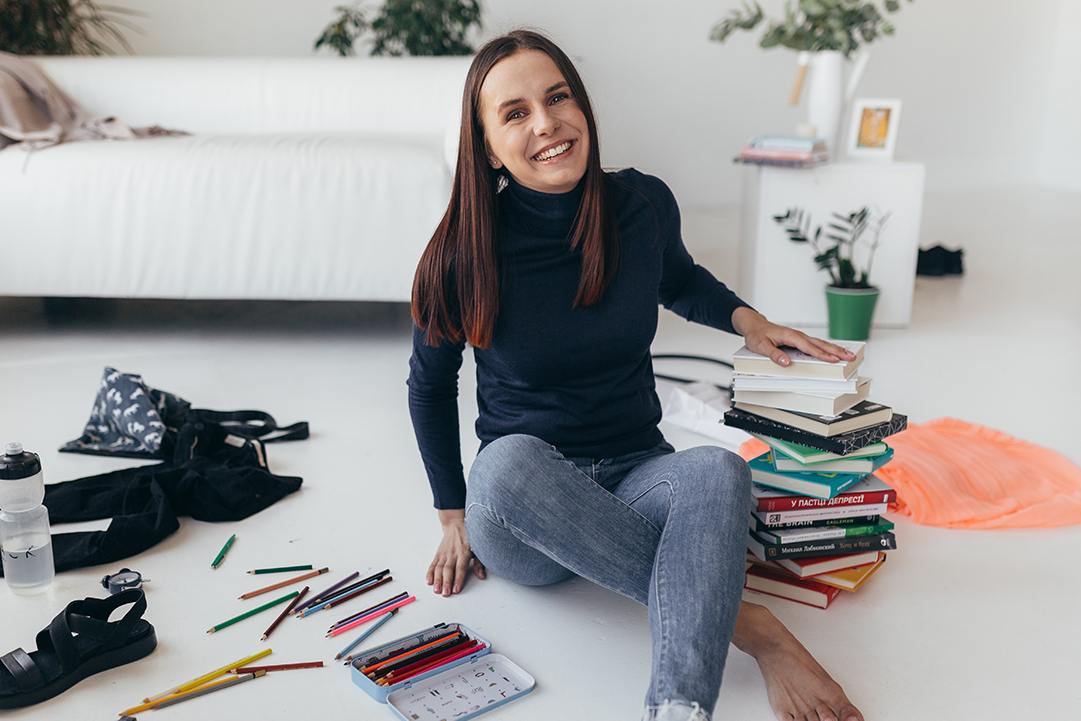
{"x": 1060, "y": 157}
{"x": 973, "y": 74}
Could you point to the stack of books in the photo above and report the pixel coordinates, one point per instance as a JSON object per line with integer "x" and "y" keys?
{"x": 816, "y": 524}
{"x": 790, "y": 151}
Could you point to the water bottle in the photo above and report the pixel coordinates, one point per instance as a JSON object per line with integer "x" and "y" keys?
{"x": 25, "y": 543}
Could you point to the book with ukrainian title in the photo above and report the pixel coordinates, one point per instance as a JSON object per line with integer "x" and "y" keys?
{"x": 830, "y": 547}
{"x": 868, "y": 490}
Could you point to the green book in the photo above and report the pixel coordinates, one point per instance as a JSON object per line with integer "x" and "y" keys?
{"x": 808, "y": 455}
{"x": 817, "y": 485}
{"x": 800, "y": 535}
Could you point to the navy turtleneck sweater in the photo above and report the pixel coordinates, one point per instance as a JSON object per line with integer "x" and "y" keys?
{"x": 579, "y": 378}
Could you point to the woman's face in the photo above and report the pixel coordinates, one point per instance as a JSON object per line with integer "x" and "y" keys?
{"x": 533, "y": 127}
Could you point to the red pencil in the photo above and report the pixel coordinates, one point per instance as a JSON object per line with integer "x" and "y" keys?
{"x": 279, "y": 667}
{"x": 439, "y": 657}
{"x": 428, "y": 667}
{"x": 284, "y": 613}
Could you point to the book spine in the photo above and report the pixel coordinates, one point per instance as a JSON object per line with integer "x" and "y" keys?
{"x": 839, "y": 444}
{"x": 797, "y": 503}
{"x": 833, "y": 547}
{"x": 773, "y": 518}
{"x": 776, "y": 153}
{"x": 786, "y": 537}
{"x": 757, "y": 524}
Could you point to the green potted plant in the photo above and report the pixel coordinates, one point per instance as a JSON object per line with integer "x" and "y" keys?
{"x": 61, "y": 27}
{"x": 413, "y": 27}
{"x": 850, "y": 297}
{"x": 826, "y": 33}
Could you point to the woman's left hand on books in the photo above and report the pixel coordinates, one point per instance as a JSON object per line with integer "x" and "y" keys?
{"x": 767, "y": 338}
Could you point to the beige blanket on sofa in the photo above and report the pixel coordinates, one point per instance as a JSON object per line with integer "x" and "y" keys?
{"x": 35, "y": 113}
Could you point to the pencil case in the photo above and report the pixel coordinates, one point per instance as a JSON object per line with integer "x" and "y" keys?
{"x": 459, "y": 689}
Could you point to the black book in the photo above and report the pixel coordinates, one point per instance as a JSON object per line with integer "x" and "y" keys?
{"x": 841, "y": 444}
{"x": 810, "y": 549}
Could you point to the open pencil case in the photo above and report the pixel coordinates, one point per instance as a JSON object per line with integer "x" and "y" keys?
{"x": 457, "y": 690}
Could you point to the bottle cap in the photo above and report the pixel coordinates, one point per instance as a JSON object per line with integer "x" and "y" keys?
{"x": 17, "y": 463}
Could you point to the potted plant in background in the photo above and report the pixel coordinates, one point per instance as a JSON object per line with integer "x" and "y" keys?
{"x": 61, "y": 27}
{"x": 850, "y": 297}
{"x": 413, "y": 27}
{"x": 827, "y": 33}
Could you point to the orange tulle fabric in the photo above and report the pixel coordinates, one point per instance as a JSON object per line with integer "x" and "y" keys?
{"x": 955, "y": 474}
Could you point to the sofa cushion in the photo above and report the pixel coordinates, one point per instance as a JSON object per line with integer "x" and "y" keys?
{"x": 331, "y": 215}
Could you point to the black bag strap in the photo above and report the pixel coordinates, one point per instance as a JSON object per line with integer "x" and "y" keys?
{"x": 254, "y": 424}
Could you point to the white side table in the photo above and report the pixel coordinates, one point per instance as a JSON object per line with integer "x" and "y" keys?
{"x": 778, "y": 277}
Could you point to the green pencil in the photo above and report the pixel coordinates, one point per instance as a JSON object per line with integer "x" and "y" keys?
{"x": 282, "y": 569}
{"x": 254, "y": 611}
{"x": 224, "y": 550}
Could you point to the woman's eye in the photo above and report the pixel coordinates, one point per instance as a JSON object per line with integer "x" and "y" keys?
{"x": 515, "y": 115}
{"x": 558, "y": 98}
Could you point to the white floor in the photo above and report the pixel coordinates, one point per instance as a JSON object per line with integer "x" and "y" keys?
{"x": 957, "y": 625}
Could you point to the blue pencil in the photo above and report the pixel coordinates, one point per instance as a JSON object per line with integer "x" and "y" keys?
{"x": 337, "y": 597}
{"x": 365, "y": 635}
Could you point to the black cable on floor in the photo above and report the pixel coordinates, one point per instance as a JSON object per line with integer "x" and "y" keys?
{"x": 684, "y": 356}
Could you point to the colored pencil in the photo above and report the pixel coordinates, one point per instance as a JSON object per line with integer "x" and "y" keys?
{"x": 279, "y": 667}
{"x": 405, "y": 654}
{"x": 221, "y": 554}
{"x": 282, "y": 569}
{"x": 368, "y": 610}
{"x": 321, "y": 596}
{"x": 252, "y": 612}
{"x": 372, "y": 610}
{"x": 364, "y": 619}
{"x": 153, "y": 704}
{"x": 356, "y": 642}
{"x": 453, "y": 644}
{"x": 286, "y": 582}
{"x": 208, "y": 689}
{"x": 333, "y": 595}
{"x": 284, "y": 613}
{"x": 204, "y": 678}
{"x": 428, "y": 667}
{"x": 342, "y": 597}
{"x": 464, "y": 644}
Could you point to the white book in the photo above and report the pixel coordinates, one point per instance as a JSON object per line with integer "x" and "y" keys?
{"x": 803, "y": 365}
{"x": 824, "y": 404}
{"x": 764, "y": 382}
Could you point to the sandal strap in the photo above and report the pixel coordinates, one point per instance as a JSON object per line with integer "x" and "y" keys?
{"x": 92, "y": 618}
{"x": 22, "y": 667}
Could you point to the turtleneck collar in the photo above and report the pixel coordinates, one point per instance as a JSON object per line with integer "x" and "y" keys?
{"x": 548, "y": 215}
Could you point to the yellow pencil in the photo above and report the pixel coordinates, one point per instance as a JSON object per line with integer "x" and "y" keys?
{"x": 203, "y": 679}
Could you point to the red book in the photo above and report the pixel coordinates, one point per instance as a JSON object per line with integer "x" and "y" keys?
{"x": 815, "y": 565}
{"x": 867, "y": 491}
{"x": 784, "y": 585}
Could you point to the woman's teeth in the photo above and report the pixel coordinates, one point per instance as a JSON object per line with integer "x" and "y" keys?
{"x": 552, "y": 152}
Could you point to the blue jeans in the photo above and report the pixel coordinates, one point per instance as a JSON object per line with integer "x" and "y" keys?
{"x": 666, "y": 529}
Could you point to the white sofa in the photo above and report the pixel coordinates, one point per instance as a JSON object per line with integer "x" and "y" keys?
{"x": 304, "y": 178}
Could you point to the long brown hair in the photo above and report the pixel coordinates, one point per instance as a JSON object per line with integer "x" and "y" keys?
{"x": 458, "y": 269}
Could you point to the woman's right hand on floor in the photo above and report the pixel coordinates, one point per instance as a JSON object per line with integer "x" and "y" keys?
{"x": 450, "y": 567}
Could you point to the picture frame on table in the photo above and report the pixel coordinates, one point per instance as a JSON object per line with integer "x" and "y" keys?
{"x": 872, "y": 129}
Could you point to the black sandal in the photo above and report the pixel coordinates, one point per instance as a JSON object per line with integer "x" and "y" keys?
{"x": 63, "y": 658}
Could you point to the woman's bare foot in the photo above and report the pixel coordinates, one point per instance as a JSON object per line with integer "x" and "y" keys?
{"x": 799, "y": 689}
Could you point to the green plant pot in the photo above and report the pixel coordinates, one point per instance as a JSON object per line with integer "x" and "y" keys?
{"x": 850, "y": 312}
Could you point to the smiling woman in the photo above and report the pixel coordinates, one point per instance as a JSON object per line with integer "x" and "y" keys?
{"x": 552, "y": 269}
